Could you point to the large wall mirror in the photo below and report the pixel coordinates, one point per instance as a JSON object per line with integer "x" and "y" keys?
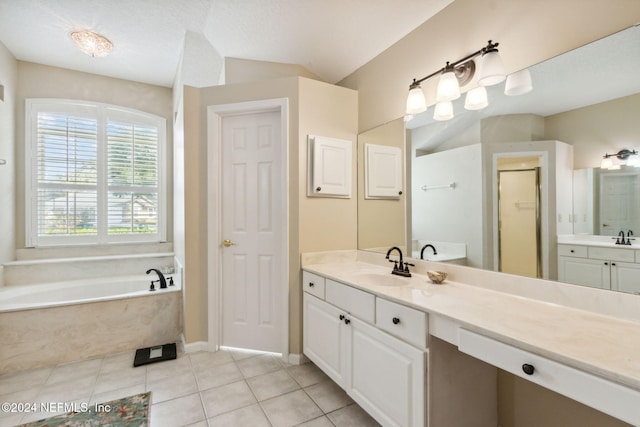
{"x": 498, "y": 188}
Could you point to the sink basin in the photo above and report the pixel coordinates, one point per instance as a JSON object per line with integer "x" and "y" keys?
{"x": 380, "y": 279}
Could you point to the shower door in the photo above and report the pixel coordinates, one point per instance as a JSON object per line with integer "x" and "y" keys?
{"x": 519, "y": 222}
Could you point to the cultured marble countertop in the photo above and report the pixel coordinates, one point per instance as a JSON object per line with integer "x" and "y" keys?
{"x": 600, "y": 241}
{"x": 599, "y": 344}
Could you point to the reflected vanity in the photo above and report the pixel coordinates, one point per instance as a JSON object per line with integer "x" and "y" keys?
{"x": 455, "y": 188}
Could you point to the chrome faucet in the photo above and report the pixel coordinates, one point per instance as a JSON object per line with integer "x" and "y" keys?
{"x": 398, "y": 268}
{"x": 425, "y": 247}
{"x": 161, "y": 278}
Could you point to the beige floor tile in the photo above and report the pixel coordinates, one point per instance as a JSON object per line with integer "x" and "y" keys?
{"x": 11, "y": 420}
{"x": 218, "y": 375}
{"x": 328, "y": 396}
{"x": 172, "y": 387}
{"x": 205, "y": 360}
{"x": 352, "y": 416}
{"x": 23, "y": 380}
{"x": 322, "y": 421}
{"x": 67, "y": 391}
{"x": 307, "y": 374}
{"x": 120, "y": 379}
{"x": 110, "y": 395}
{"x": 178, "y": 412}
{"x": 290, "y": 409}
{"x": 169, "y": 368}
{"x": 85, "y": 368}
{"x": 119, "y": 361}
{"x": 227, "y": 398}
{"x": 258, "y": 365}
{"x": 251, "y": 415}
{"x": 272, "y": 384}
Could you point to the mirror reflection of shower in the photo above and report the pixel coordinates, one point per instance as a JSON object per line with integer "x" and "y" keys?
{"x": 519, "y": 216}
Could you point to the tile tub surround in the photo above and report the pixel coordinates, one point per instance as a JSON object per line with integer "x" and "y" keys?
{"x": 600, "y": 344}
{"x": 225, "y": 388}
{"x": 48, "y": 336}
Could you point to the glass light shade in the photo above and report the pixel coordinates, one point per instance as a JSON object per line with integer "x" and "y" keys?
{"x": 91, "y": 43}
{"x": 443, "y": 111}
{"x": 448, "y": 87}
{"x": 491, "y": 69}
{"x": 416, "y": 102}
{"x": 518, "y": 83}
{"x": 634, "y": 160}
{"x": 476, "y": 99}
{"x": 606, "y": 163}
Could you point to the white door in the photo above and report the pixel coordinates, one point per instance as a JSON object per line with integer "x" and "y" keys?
{"x": 252, "y": 177}
{"x": 619, "y": 204}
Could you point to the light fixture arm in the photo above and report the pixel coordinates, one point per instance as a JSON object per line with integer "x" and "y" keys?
{"x": 622, "y": 154}
{"x": 488, "y": 48}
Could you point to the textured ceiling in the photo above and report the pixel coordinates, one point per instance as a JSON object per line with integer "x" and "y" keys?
{"x": 331, "y": 38}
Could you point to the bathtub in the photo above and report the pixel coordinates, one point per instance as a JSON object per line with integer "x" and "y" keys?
{"x": 48, "y": 324}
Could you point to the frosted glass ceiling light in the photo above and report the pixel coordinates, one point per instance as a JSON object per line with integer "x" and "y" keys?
{"x": 443, "y": 111}
{"x": 491, "y": 66}
{"x": 448, "y": 87}
{"x": 91, "y": 43}
{"x": 416, "y": 102}
{"x": 518, "y": 83}
{"x": 476, "y": 99}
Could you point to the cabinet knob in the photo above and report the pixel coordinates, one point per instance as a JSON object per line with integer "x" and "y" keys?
{"x": 606, "y": 263}
{"x": 572, "y": 251}
{"x": 395, "y": 320}
{"x": 347, "y": 321}
{"x": 399, "y": 193}
{"x": 342, "y": 317}
{"x": 613, "y": 264}
{"x": 311, "y": 285}
{"x": 528, "y": 369}
{"x": 318, "y": 188}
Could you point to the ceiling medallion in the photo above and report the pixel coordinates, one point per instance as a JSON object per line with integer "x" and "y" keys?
{"x": 93, "y": 44}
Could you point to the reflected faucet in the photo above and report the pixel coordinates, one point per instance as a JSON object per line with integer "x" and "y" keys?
{"x": 425, "y": 247}
{"x": 620, "y": 240}
{"x": 163, "y": 281}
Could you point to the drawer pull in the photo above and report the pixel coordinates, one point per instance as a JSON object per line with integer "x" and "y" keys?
{"x": 395, "y": 320}
{"x": 311, "y": 285}
{"x": 528, "y": 369}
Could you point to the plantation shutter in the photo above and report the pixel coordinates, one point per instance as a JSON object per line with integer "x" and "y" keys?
{"x": 66, "y": 177}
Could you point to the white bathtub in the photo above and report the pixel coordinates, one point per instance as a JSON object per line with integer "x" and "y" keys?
{"x": 48, "y": 324}
{"x": 24, "y": 297}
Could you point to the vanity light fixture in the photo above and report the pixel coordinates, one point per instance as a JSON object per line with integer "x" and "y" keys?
{"x": 93, "y": 44}
{"x": 622, "y": 157}
{"x": 456, "y": 74}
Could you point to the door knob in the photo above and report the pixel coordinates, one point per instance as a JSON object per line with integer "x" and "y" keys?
{"x": 227, "y": 243}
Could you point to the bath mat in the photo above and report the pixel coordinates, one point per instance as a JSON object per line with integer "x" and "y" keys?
{"x": 129, "y": 411}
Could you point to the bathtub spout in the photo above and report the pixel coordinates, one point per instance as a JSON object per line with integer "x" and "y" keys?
{"x": 163, "y": 281}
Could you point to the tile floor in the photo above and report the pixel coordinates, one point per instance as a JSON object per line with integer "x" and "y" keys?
{"x": 227, "y": 388}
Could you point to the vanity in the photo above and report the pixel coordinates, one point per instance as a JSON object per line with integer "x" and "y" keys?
{"x": 598, "y": 262}
{"x": 412, "y": 353}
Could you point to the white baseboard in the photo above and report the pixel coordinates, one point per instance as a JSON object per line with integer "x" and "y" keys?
{"x": 194, "y": 347}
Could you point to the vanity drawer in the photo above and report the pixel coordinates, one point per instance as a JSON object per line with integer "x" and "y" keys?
{"x": 354, "y": 301}
{"x": 612, "y": 254}
{"x": 313, "y": 284}
{"x": 404, "y": 322}
{"x": 572, "y": 250}
{"x": 612, "y": 398}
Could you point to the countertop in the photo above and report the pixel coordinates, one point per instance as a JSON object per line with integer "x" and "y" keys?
{"x": 599, "y": 344}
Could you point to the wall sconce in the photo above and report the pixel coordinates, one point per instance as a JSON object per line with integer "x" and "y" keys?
{"x": 624, "y": 157}
{"x": 456, "y": 74}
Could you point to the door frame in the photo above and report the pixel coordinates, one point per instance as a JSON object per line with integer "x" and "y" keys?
{"x": 215, "y": 115}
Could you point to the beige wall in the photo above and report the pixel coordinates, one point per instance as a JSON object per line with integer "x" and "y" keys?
{"x": 8, "y": 79}
{"x": 42, "y": 81}
{"x": 237, "y": 70}
{"x": 528, "y": 32}
{"x": 602, "y": 128}
{"x": 314, "y": 223}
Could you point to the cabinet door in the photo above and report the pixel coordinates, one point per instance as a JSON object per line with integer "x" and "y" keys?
{"x": 625, "y": 277}
{"x": 383, "y": 171}
{"x": 331, "y": 167}
{"x": 386, "y": 376}
{"x": 324, "y": 337}
{"x": 582, "y": 271}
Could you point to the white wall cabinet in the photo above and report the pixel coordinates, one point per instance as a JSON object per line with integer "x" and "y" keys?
{"x": 383, "y": 374}
{"x": 331, "y": 167}
{"x": 383, "y": 171}
{"x": 599, "y": 267}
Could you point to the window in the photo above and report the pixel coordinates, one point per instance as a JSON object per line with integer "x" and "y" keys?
{"x": 95, "y": 174}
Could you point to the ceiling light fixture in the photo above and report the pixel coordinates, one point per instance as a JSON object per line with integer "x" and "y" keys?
{"x": 456, "y": 74}
{"x": 93, "y": 44}
{"x": 622, "y": 157}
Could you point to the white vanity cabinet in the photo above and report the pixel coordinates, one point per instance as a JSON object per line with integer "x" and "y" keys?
{"x": 600, "y": 267}
{"x": 383, "y": 374}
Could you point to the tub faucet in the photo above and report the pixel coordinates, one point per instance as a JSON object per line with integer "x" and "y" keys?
{"x": 163, "y": 281}
{"x": 425, "y": 247}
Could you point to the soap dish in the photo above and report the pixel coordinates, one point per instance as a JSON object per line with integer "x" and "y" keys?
{"x": 437, "y": 277}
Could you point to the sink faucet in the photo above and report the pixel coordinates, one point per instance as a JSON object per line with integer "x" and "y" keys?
{"x": 425, "y": 247}
{"x": 398, "y": 269}
{"x": 163, "y": 281}
{"x": 620, "y": 240}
